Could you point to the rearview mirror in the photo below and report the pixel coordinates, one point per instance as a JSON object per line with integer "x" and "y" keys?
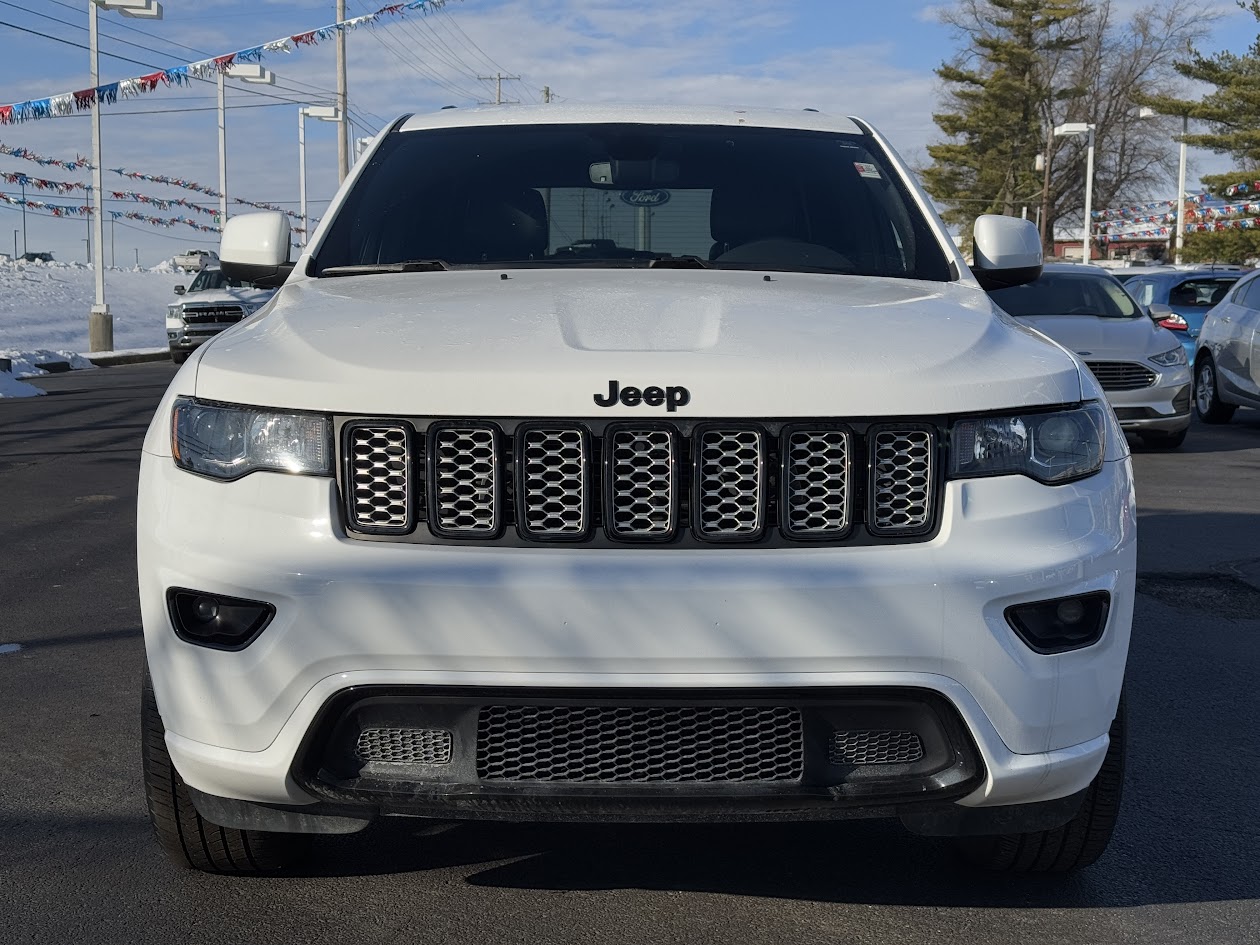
{"x": 1006, "y": 252}
{"x": 180, "y": 290}
{"x": 255, "y": 248}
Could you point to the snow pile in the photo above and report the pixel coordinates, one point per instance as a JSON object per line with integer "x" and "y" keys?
{"x": 12, "y": 387}
{"x": 44, "y": 306}
{"x": 27, "y": 363}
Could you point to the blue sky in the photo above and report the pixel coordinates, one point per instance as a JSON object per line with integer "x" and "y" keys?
{"x": 872, "y": 59}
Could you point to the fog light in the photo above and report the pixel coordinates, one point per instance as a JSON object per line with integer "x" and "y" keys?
{"x": 215, "y": 621}
{"x": 1066, "y": 623}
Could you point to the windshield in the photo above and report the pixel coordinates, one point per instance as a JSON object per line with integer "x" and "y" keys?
{"x": 633, "y": 195}
{"x": 1068, "y": 293}
{"x": 213, "y": 279}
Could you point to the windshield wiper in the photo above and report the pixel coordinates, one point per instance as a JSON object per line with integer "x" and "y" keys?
{"x": 410, "y": 265}
{"x": 680, "y": 262}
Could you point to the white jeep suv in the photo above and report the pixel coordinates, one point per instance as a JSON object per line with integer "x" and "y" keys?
{"x": 633, "y": 464}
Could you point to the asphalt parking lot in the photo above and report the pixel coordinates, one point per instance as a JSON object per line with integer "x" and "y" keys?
{"x": 77, "y": 863}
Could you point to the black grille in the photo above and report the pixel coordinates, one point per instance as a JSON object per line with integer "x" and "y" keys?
{"x": 639, "y": 743}
{"x": 874, "y": 748}
{"x": 1121, "y": 375}
{"x": 212, "y": 315}
{"x": 564, "y": 481}
{"x": 404, "y": 746}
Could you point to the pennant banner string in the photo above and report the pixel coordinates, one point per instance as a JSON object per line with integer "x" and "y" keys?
{"x": 67, "y": 103}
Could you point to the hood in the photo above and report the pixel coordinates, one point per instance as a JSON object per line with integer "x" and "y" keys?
{"x": 1105, "y": 339}
{"x": 545, "y": 343}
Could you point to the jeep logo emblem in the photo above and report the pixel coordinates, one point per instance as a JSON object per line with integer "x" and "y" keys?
{"x": 671, "y": 397}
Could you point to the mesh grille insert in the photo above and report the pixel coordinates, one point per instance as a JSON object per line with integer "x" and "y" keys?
{"x": 377, "y": 466}
{"x": 639, "y": 743}
{"x": 730, "y": 473}
{"x": 817, "y": 483}
{"x": 901, "y": 477}
{"x": 553, "y": 481}
{"x": 874, "y": 748}
{"x": 466, "y": 477}
{"x": 405, "y": 746}
{"x": 1121, "y": 375}
{"x": 642, "y": 468}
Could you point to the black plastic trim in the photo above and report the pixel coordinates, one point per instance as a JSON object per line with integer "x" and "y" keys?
{"x": 1013, "y": 621}
{"x": 269, "y": 613}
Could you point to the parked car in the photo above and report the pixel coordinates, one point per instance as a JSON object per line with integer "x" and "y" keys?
{"x": 36, "y": 257}
{"x": 194, "y": 260}
{"x": 1227, "y": 359}
{"x": 212, "y": 303}
{"x": 759, "y": 511}
{"x": 1180, "y": 299}
{"x": 1140, "y": 365}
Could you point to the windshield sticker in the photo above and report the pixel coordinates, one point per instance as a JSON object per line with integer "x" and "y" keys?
{"x": 868, "y": 170}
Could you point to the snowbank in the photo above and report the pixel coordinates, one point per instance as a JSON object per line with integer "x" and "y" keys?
{"x": 12, "y": 387}
{"x": 44, "y": 306}
{"x": 27, "y": 363}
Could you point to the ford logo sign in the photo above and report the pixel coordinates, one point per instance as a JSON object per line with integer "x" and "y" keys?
{"x": 645, "y": 198}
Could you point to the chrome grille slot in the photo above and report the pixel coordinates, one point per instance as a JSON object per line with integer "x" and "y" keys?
{"x": 553, "y": 497}
{"x": 874, "y": 748}
{"x": 902, "y": 473}
{"x": 212, "y": 314}
{"x": 816, "y": 477}
{"x": 467, "y": 474}
{"x": 404, "y": 746}
{"x": 627, "y": 743}
{"x": 1121, "y": 375}
{"x": 641, "y": 493}
{"x": 730, "y": 483}
{"x": 377, "y": 464}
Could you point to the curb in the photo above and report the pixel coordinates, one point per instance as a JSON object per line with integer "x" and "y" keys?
{"x": 109, "y": 359}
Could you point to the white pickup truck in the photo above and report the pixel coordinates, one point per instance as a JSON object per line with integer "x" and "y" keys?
{"x": 194, "y": 260}
{"x": 211, "y": 303}
{"x": 634, "y": 464}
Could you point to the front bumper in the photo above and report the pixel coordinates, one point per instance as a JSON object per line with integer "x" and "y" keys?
{"x": 1163, "y": 407}
{"x": 353, "y": 614}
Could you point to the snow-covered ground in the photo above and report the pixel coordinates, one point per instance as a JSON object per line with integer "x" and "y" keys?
{"x": 44, "y": 313}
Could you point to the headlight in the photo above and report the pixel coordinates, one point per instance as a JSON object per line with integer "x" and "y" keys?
{"x": 1050, "y": 447}
{"x": 1170, "y": 358}
{"x": 174, "y": 316}
{"x": 230, "y": 442}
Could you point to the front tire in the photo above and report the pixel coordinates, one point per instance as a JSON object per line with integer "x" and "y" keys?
{"x": 1207, "y": 399}
{"x": 188, "y": 838}
{"x": 1075, "y": 845}
{"x": 179, "y": 357}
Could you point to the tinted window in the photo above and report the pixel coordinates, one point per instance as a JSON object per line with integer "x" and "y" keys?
{"x": 1141, "y": 289}
{"x": 1250, "y": 294}
{"x": 628, "y": 195}
{"x": 1068, "y": 293}
{"x": 213, "y": 279}
{"x": 1199, "y": 293}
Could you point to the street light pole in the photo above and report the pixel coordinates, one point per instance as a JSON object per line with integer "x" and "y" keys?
{"x": 222, "y": 151}
{"x": 1181, "y": 191}
{"x": 323, "y": 113}
{"x": 1082, "y": 128}
{"x": 100, "y": 323}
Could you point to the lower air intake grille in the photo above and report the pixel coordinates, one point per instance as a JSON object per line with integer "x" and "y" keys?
{"x": 639, "y": 743}
{"x": 1121, "y": 375}
{"x": 874, "y": 748}
{"x": 405, "y": 746}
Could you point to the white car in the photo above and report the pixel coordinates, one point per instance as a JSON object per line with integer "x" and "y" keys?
{"x": 194, "y": 260}
{"x": 211, "y": 303}
{"x": 634, "y": 464}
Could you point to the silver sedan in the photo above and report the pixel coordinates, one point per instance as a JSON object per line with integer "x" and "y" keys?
{"x": 1227, "y": 358}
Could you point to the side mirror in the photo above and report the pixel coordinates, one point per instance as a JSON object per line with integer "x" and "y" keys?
{"x": 1006, "y": 250}
{"x": 255, "y": 248}
{"x": 180, "y": 290}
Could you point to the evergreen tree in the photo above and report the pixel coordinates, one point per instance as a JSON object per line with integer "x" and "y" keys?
{"x": 997, "y": 95}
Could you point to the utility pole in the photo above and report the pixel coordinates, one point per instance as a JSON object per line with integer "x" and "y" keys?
{"x": 23, "y": 219}
{"x": 137, "y": 257}
{"x": 1044, "y": 217}
{"x": 497, "y": 79}
{"x": 111, "y": 242}
{"x": 546, "y": 94}
{"x": 100, "y": 322}
{"x": 1180, "y": 242}
{"x": 343, "y": 144}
